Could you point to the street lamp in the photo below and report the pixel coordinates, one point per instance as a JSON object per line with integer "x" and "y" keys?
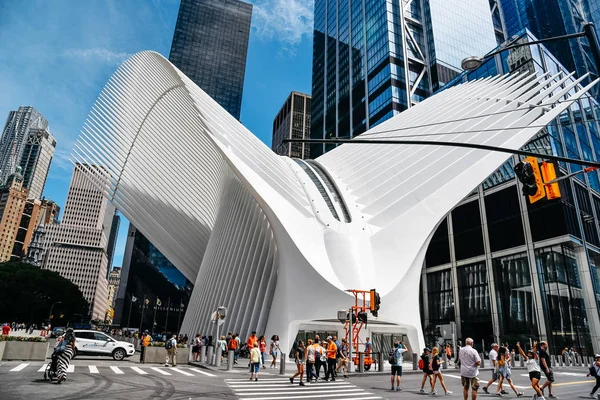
{"x": 471, "y": 63}
{"x": 52, "y": 307}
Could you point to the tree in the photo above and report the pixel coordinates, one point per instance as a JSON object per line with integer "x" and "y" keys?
{"x": 27, "y": 293}
{"x": 432, "y": 334}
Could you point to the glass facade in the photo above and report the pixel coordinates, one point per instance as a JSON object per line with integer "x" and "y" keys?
{"x": 210, "y": 45}
{"x": 292, "y": 122}
{"x": 148, "y": 274}
{"x": 525, "y": 270}
{"x": 373, "y": 58}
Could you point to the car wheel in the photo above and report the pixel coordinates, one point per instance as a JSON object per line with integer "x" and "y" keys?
{"x": 118, "y": 354}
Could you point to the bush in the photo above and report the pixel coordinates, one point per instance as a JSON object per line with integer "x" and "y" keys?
{"x": 6, "y": 338}
{"x": 162, "y": 344}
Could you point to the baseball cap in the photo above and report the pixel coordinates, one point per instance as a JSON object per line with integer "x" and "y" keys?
{"x": 329, "y": 338}
{"x": 426, "y": 349}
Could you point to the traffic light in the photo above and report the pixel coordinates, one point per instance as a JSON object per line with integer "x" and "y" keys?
{"x": 528, "y": 172}
{"x": 375, "y": 302}
{"x": 362, "y": 317}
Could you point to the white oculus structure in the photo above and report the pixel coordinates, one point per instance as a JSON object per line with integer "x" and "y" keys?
{"x": 276, "y": 240}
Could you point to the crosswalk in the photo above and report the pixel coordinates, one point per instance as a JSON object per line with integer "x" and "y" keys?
{"x": 112, "y": 369}
{"x": 282, "y": 389}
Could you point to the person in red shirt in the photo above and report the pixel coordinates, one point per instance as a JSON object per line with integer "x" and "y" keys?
{"x": 5, "y": 329}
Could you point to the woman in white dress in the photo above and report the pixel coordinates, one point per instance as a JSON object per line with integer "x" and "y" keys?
{"x": 274, "y": 350}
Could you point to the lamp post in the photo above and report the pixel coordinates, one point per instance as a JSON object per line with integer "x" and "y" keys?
{"x": 51, "y": 308}
{"x": 473, "y": 62}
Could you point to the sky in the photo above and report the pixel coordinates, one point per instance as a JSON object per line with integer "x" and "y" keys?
{"x": 56, "y": 55}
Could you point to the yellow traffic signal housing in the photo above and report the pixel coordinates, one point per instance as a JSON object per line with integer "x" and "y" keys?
{"x": 549, "y": 174}
{"x": 541, "y": 193}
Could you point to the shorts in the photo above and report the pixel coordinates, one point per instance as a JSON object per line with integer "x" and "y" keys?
{"x": 299, "y": 362}
{"x": 472, "y": 383}
{"x": 397, "y": 370}
{"x": 428, "y": 371}
{"x": 254, "y": 367}
{"x": 495, "y": 375}
{"x": 535, "y": 375}
{"x": 436, "y": 372}
{"x": 195, "y": 349}
{"x": 549, "y": 375}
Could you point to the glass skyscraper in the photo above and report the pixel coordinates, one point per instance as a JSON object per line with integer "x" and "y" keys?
{"x": 210, "y": 45}
{"x": 549, "y": 18}
{"x": 375, "y": 58}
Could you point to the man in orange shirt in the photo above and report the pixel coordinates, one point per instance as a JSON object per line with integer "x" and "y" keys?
{"x": 250, "y": 343}
{"x": 233, "y": 345}
{"x": 331, "y": 359}
{"x": 146, "y": 339}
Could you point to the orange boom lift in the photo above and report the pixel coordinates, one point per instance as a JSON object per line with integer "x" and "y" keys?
{"x": 358, "y": 318}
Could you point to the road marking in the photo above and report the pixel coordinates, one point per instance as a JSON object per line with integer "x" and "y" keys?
{"x": 299, "y": 389}
{"x": 495, "y": 383}
{"x": 71, "y": 368}
{"x": 93, "y": 369}
{"x": 202, "y": 372}
{"x": 139, "y": 371}
{"x": 258, "y": 388}
{"x": 275, "y": 384}
{"x": 573, "y": 383}
{"x": 316, "y": 396}
{"x": 182, "y": 372}
{"x": 117, "y": 370}
{"x": 160, "y": 371}
{"x": 19, "y": 367}
{"x": 43, "y": 368}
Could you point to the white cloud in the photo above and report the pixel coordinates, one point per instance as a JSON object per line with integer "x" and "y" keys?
{"x": 97, "y": 54}
{"x": 286, "y": 21}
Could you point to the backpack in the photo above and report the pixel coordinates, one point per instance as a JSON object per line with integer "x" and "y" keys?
{"x": 421, "y": 364}
{"x": 169, "y": 344}
{"x": 61, "y": 346}
{"x": 392, "y": 359}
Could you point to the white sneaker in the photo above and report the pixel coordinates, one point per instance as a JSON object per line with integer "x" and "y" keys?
{"x": 433, "y": 393}
{"x": 448, "y": 392}
{"x": 421, "y": 391}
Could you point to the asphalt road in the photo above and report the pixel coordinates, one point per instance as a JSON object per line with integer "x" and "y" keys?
{"x": 103, "y": 378}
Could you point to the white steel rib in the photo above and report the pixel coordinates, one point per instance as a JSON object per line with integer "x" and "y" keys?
{"x": 262, "y": 235}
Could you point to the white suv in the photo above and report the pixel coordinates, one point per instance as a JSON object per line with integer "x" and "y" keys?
{"x": 95, "y": 343}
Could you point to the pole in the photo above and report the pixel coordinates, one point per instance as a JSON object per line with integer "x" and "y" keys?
{"x": 51, "y": 308}
{"x": 143, "y": 308}
{"x": 167, "y": 319}
{"x": 351, "y": 364}
{"x": 154, "y": 316}
{"x": 590, "y": 34}
{"x": 179, "y": 318}
{"x": 130, "y": 307}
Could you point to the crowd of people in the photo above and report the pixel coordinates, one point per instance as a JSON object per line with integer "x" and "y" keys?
{"x": 331, "y": 354}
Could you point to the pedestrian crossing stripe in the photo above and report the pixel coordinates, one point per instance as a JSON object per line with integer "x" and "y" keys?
{"x": 281, "y": 389}
{"x": 181, "y": 371}
{"x": 139, "y": 371}
{"x": 116, "y": 370}
{"x": 160, "y": 371}
{"x": 93, "y": 369}
{"x": 19, "y": 367}
{"x": 119, "y": 370}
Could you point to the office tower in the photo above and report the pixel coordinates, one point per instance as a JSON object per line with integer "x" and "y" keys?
{"x": 35, "y": 212}
{"x": 210, "y": 45}
{"x": 12, "y": 202}
{"x": 76, "y": 248}
{"x": 112, "y": 235}
{"x": 38, "y": 151}
{"x": 114, "y": 279}
{"x": 374, "y": 59}
{"x": 292, "y": 122}
{"x": 24, "y": 127}
{"x": 500, "y": 267}
{"x": 147, "y": 273}
{"x": 498, "y": 21}
{"x": 549, "y": 18}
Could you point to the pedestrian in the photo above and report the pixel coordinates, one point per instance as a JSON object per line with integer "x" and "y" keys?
{"x": 275, "y": 350}
{"x": 469, "y": 369}
{"x": 343, "y": 358}
{"x": 254, "y": 361}
{"x": 233, "y": 345}
{"x": 64, "y": 348}
{"x": 320, "y": 357}
{"x": 368, "y": 348}
{"x": 546, "y": 368}
{"x": 505, "y": 372}
{"x": 238, "y": 348}
{"x": 331, "y": 359}
{"x": 250, "y": 343}
{"x": 171, "y": 348}
{"x": 310, "y": 362}
{"x": 533, "y": 368}
{"x": 145, "y": 342}
{"x": 448, "y": 352}
{"x": 223, "y": 345}
{"x": 196, "y": 347}
{"x": 494, "y": 360}
{"x": 436, "y": 363}
{"x": 427, "y": 372}
{"x": 5, "y": 329}
{"x": 396, "y": 359}
{"x": 262, "y": 346}
{"x": 595, "y": 372}
{"x": 299, "y": 354}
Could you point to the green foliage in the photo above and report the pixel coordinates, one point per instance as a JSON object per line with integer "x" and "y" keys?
{"x": 27, "y": 293}
{"x": 162, "y": 344}
{"x": 6, "y": 338}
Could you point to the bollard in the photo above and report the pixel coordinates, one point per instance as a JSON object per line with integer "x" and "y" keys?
{"x": 553, "y": 361}
{"x": 230, "y": 356}
{"x": 282, "y": 364}
{"x": 380, "y": 361}
{"x": 445, "y": 359}
{"x": 482, "y": 360}
{"x": 209, "y": 355}
{"x": 590, "y": 361}
{"x": 218, "y": 354}
{"x": 361, "y": 362}
{"x": 560, "y": 360}
{"x": 512, "y": 362}
{"x": 415, "y": 367}
{"x": 202, "y": 354}
{"x": 521, "y": 360}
